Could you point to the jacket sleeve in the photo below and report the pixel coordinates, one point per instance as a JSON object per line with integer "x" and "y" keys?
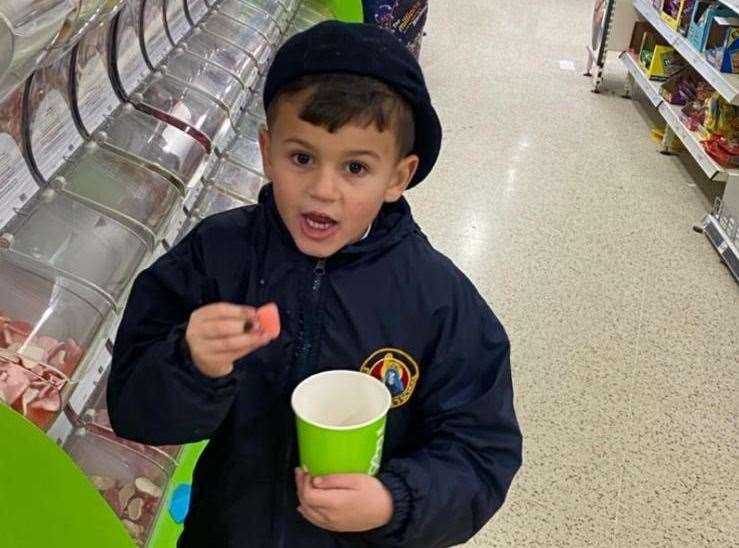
{"x": 155, "y": 394}
{"x": 450, "y": 486}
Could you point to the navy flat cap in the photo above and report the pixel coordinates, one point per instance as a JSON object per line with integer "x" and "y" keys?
{"x": 365, "y": 50}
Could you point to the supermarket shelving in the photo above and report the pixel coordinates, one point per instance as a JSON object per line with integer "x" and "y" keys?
{"x": 726, "y": 84}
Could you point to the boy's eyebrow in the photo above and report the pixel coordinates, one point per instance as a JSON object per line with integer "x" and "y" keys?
{"x": 297, "y": 141}
{"x": 364, "y": 153}
{"x": 306, "y": 144}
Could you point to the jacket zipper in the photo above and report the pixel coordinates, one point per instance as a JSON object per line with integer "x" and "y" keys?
{"x": 310, "y": 322}
{"x": 308, "y": 340}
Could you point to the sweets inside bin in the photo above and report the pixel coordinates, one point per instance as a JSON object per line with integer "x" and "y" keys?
{"x": 132, "y": 484}
{"x": 47, "y": 323}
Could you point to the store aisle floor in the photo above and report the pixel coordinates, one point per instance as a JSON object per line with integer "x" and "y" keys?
{"x": 578, "y": 233}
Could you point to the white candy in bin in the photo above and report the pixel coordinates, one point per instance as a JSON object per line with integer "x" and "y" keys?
{"x": 224, "y": 54}
{"x": 48, "y": 323}
{"x": 131, "y": 483}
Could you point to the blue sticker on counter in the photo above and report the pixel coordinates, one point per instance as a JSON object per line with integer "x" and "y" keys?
{"x": 404, "y": 18}
{"x": 180, "y": 502}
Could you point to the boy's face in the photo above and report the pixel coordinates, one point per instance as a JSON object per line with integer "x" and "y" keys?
{"x": 329, "y": 187}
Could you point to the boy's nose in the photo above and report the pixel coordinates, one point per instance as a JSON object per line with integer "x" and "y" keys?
{"x": 323, "y": 186}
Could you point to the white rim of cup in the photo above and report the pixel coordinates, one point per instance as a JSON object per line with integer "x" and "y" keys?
{"x": 386, "y": 407}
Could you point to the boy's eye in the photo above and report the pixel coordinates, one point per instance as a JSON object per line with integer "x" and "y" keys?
{"x": 356, "y": 168}
{"x": 301, "y": 158}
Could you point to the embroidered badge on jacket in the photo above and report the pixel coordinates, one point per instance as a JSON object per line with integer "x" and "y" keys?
{"x": 396, "y": 369}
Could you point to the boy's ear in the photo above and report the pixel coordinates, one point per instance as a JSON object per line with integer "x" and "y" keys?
{"x": 404, "y": 172}
{"x": 264, "y": 146}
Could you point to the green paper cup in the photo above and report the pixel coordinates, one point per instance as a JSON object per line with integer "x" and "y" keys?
{"x": 341, "y": 422}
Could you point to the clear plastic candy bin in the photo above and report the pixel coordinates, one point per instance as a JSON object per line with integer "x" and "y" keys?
{"x": 237, "y": 180}
{"x": 207, "y": 77}
{"x": 95, "y": 418}
{"x": 27, "y": 29}
{"x": 79, "y": 241}
{"x": 242, "y": 36}
{"x": 48, "y": 324}
{"x": 131, "y": 483}
{"x": 225, "y": 54}
{"x": 213, "y": 200}
{"x": 266, "y": 24}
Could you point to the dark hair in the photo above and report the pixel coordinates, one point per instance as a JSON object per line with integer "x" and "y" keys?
{"x": 339, "y": 98}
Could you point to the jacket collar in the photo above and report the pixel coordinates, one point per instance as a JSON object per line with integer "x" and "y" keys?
{"x": 393, "y": 223}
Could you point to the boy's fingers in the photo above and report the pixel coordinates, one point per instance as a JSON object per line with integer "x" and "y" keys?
{"x": 221, "y": 328}
{"x": 318, "y": 499}
{"x": 225, "y": 311}
{"x": 339, "y": 481}
{"x": 235, "y": 344}
{"x": 308, "y": 496}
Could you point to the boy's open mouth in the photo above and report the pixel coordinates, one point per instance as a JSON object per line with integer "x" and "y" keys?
{"x": 318, "y": 226}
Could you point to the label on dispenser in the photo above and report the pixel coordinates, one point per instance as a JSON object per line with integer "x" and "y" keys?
{"x": 54, "y": 137}
{"x": 132, "y": 67}
{"x": 176, "y": 21}
{"x": 155, "y": 37}
{"x": 96, "y": 98}
{"x": 16, "y": 182}
{"x": 198, "y": 9}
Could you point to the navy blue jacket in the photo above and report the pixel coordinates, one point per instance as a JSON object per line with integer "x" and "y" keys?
{"x": 388, "y": 302}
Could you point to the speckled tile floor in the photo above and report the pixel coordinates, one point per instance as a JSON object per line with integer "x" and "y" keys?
{"x": 623, "y": 321}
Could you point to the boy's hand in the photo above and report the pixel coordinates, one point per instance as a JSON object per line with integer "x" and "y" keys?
{"x": 219, "y": 334}
{"x": 344, "y": 503}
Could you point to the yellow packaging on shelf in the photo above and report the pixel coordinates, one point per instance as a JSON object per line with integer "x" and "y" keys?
{"x": 658, "y": 59}
{"x": 721, "y": 117}
{"x": 673, "y": 22}
{"x": 663, "y": 63}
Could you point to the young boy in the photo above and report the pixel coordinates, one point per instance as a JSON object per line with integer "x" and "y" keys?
{"x": 358, "y": 286}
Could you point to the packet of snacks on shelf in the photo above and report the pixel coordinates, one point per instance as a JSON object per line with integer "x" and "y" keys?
{"x": 693, "y": 116}
{"x": 721, "y": 117}
{"x": 724, "y": 151}
{"x": 686, "y": 86}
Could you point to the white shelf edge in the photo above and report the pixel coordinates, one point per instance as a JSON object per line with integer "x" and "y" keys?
{"x": 726, "y": 84}
{"x": 733, "y": 4}
{"x": 651, "y": 89}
